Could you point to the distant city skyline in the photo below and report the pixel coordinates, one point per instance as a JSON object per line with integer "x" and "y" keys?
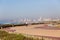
{"x": 27, "y": 20}
{"x": 14, "y": 9}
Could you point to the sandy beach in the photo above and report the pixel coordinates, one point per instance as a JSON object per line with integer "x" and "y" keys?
{"x": 32, "y": 30}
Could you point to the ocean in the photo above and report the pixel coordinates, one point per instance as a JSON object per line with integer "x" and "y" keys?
{"x": 6, "y": 22}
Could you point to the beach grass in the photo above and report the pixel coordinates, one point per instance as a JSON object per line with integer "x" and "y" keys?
{"x": 8, "y": 36}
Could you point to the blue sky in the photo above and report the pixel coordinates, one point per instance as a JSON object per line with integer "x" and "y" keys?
{"x": 10, "y": 9}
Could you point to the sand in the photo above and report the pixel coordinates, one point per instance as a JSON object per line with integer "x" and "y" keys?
{"x": 31, "y": 30}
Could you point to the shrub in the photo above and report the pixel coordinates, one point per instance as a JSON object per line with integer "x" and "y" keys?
{"x": 6, "y": 36}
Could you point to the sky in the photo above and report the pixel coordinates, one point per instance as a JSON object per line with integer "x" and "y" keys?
{"x": 10, "y": 9}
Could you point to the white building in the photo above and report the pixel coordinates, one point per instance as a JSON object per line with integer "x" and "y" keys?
{"x": 47, "y": 19}
{"x": 40, "y": 19}
{"x": 56, "y": 19}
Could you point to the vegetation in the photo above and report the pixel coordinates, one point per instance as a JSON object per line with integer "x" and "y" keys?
{"x": 13, "y": 25}
{"x": 6, "y": 36}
